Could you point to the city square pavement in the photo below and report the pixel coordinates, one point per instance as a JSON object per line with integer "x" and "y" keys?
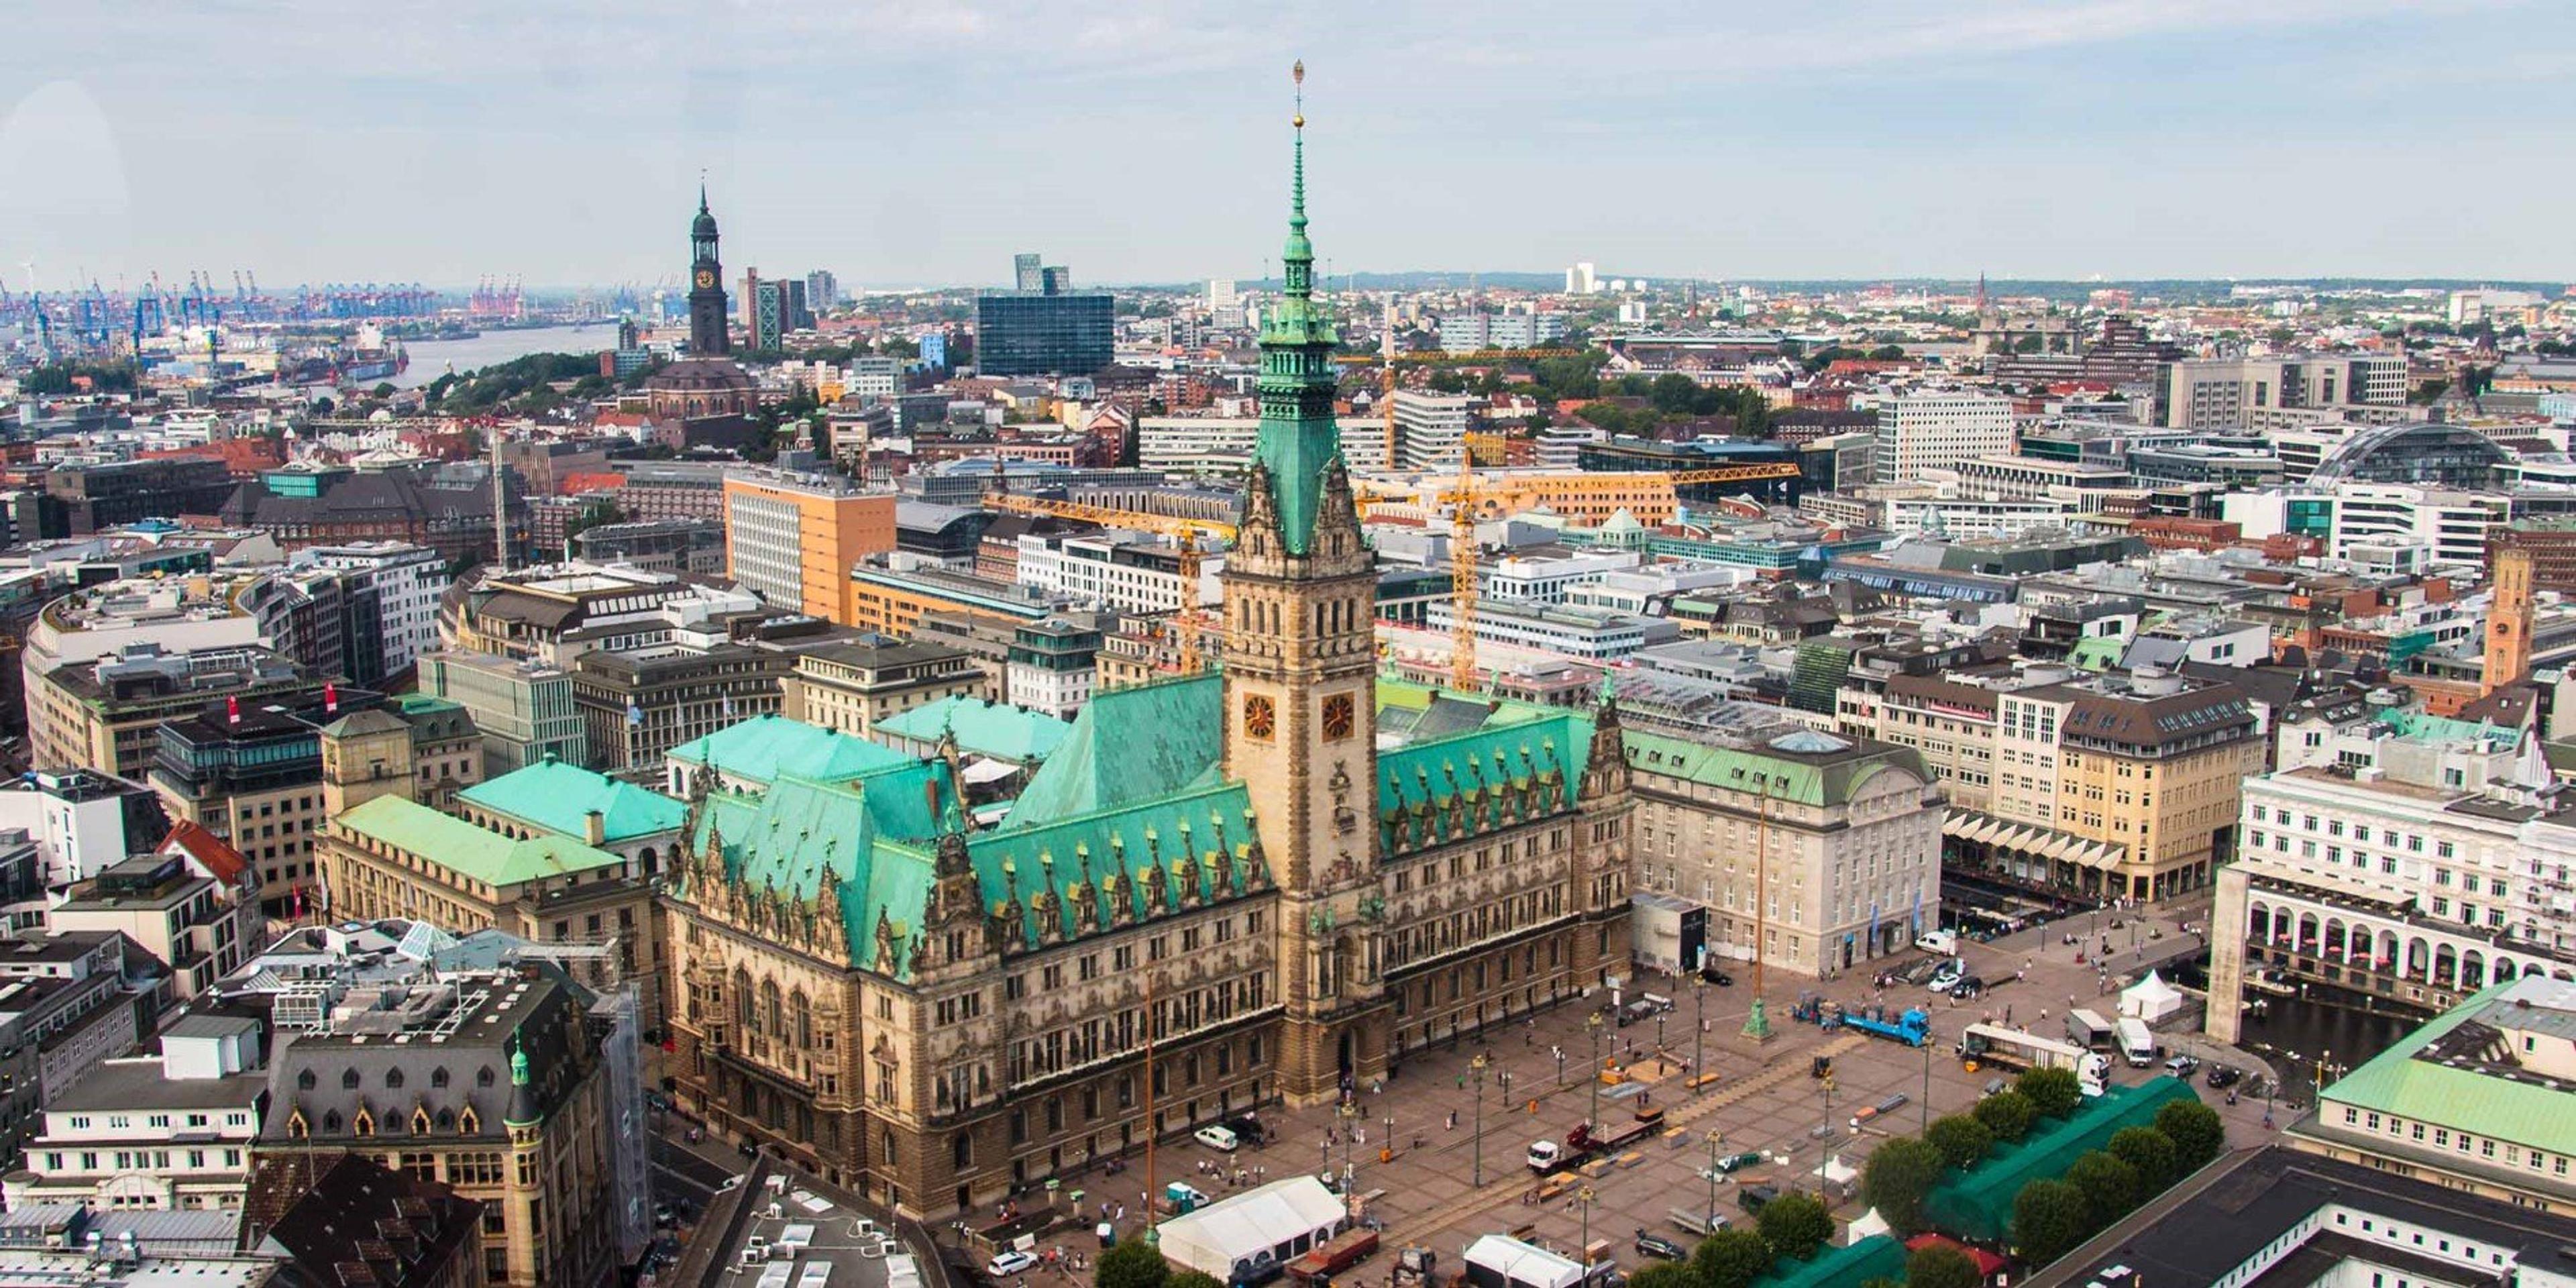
{"x": 1419, "y": 1176}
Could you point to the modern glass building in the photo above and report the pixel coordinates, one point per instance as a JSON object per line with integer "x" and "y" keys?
{"x": 1035, "y": 333}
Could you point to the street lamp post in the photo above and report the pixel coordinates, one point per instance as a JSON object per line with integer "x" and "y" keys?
{"x": 1927, "y": 1081}
{"x": 1478, "y": 1065}
{"x": 1659, "y": 1033}
{"x": 1592, "y": 1119}
{"x": 1825, "y": 1154}
{"x": 1699, "y": 995}
{"x": 1715, "y": 1138}
{"x": 1349, "y": 1110}
{"x": 1585, "y": 1194}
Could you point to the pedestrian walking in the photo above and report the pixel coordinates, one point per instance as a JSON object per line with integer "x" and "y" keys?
{"x": 1453, "y": 1120}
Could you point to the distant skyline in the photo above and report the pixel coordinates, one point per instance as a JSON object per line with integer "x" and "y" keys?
{"x": 925, "y": 143}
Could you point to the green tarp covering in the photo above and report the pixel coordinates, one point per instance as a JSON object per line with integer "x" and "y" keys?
{"x": 1977, "y": 1204}
{"x": 1840, "y": 1267}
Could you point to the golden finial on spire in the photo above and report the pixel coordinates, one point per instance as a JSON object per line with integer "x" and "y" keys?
{"x": 1297, "y": 73}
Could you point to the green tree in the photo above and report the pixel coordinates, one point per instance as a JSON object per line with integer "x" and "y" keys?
{"x": 2109, "y": 1186}
{"x": 1795, "y": 1225}
{"x": 2151, "y": 1152}
{"x": 1940, "y": 1265}
{"x": 2048, "y": 1221}
{"x": 1899, "y": 1174}
{"x": 2008, "y": 1114}
{"x": 2053, "y": 1093}
{"x": 1962, "y": 1140}
{"x": 2195, "y": 1131}
{"x": 1132, "y": 1264}
{"x": 1661, "y": 1274}
{"x": 1202, "y": 1279}
{"x": 1731, "y": 1259}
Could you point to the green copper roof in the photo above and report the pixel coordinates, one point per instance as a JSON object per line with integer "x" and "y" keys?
{"x": 1128, "y": 745}
{"x": 1744, "y": 769}
{"x": 1299, "y": 438}
{"x": 1499, "y": 762}
{"x": 555, "y": 796}
{"x": 789, "y": 836}
{"x": 766, "y": 747}
{"x": 2463, "y": 1098}
{"x": 477, "y": 853}
{"x": 995, "y": 729}
{"x": 1179, "y": 832}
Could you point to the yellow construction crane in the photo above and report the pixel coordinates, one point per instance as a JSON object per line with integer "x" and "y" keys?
{"x": 1185, "y": 534}
{"x": 1735, "y": 473}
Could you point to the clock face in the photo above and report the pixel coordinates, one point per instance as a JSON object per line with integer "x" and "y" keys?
{"x": 705, "y": 279}
{"x": 1260, "y": 719}
{"x": 1338, "y": 716}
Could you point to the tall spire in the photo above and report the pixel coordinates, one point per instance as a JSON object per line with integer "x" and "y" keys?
{"x": 1299, "y": 439}
{"x": 1299, "y": 251}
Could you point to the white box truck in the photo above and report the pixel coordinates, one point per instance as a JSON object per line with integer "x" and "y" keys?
{"x": 2137, "y": 1045}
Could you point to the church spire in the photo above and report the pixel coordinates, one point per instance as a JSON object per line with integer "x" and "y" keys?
{"x": 1299, "y": 440}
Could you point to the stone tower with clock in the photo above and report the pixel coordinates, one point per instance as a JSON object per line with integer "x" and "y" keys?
{"x": 707, "y": 335}
{"x": 1300, "y": 664}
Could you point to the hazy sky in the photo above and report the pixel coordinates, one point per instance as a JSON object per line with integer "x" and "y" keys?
{"x": 895, "y": 143}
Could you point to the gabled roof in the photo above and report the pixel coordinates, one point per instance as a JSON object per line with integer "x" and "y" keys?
{"x": 555, "y": 796}
{"x": 1128, "y": 745}
{"x": 477, "y": 853}
{"x": 982, "y": 728}
{"x": 789, "y": 837}
{"x": 765, "y": 748}
{"x": 211, "y": 853}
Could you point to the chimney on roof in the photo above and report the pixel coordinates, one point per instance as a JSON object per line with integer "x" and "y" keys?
{"x": 594, "y": 827}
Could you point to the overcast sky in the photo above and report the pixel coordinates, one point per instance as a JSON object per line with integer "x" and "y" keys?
{"x": 561, "y": 141}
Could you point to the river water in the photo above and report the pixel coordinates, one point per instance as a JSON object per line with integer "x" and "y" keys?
{"x": 431, "y": 359}
{"x": 2294, "y": 1033}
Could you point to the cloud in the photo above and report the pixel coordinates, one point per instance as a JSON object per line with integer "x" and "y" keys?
{"x": 67, "y": 206}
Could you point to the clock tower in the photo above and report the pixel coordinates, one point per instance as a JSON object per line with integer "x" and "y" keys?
{"x": 707, "y": 336}
{"x": 1300, "y": 674}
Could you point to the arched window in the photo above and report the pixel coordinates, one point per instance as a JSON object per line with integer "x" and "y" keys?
{"x": 801, "y": 1018}
{"x": 304, "y": 1081}
{"x": 393, "y": 1079}
{"x": 743, "y": 1006}
{"x": 296, "y": 1126}
{"x": 331, "y": 1122}
{"x": 365, "y": 1124}
{"x": 468, "y": 1122}
{"x": 420, "y": 1122}
{"x": 438, "y": 1076}
{"x": 483, "y": 1076}
{"x": 771, "y": 1012}
{"x": 348, "y": 1080}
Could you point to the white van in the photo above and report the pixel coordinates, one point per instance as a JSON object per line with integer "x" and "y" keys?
{"x": 1938, "y": 941}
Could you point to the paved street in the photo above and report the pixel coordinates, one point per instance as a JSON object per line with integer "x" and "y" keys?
{"x": 1763, "y": 1100}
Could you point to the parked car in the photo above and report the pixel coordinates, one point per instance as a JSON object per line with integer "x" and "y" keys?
{"x": 1752, "y": 1197}
{"x": 2221, "y": 1076}
{"x": 1247, "y": 1129}
{"x": 2182, "y": 1066}
{"x": 1946, "y": 978}
{"x": 1216, "y": 1138}
{"x": 1716, "y": 976}
{"x": 1008, "y": 1262}
{"x": 1733, "y": 1163}
{"x": 1656, "y": 1245}
{"x": 1968, "y": 986}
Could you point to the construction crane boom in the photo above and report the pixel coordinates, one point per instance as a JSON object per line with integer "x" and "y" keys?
{"x": 1735, "y": 473}
{"x": 1108, "y": 516}
{"x": 1462, "y": 576}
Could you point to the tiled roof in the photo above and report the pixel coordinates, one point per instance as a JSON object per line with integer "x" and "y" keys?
{"x": 1788, "y": 774}
{"x": 477, "y": 853}
{"x": 557, "y": 797}
{"x": 220, "y": 860}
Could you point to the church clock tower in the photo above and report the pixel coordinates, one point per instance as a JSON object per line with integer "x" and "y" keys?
{"x": 707, "y": 335}
{"x": 1301, "y": 716}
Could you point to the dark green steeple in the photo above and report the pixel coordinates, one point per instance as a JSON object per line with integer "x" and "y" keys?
{"x": 1299, "y": 439}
